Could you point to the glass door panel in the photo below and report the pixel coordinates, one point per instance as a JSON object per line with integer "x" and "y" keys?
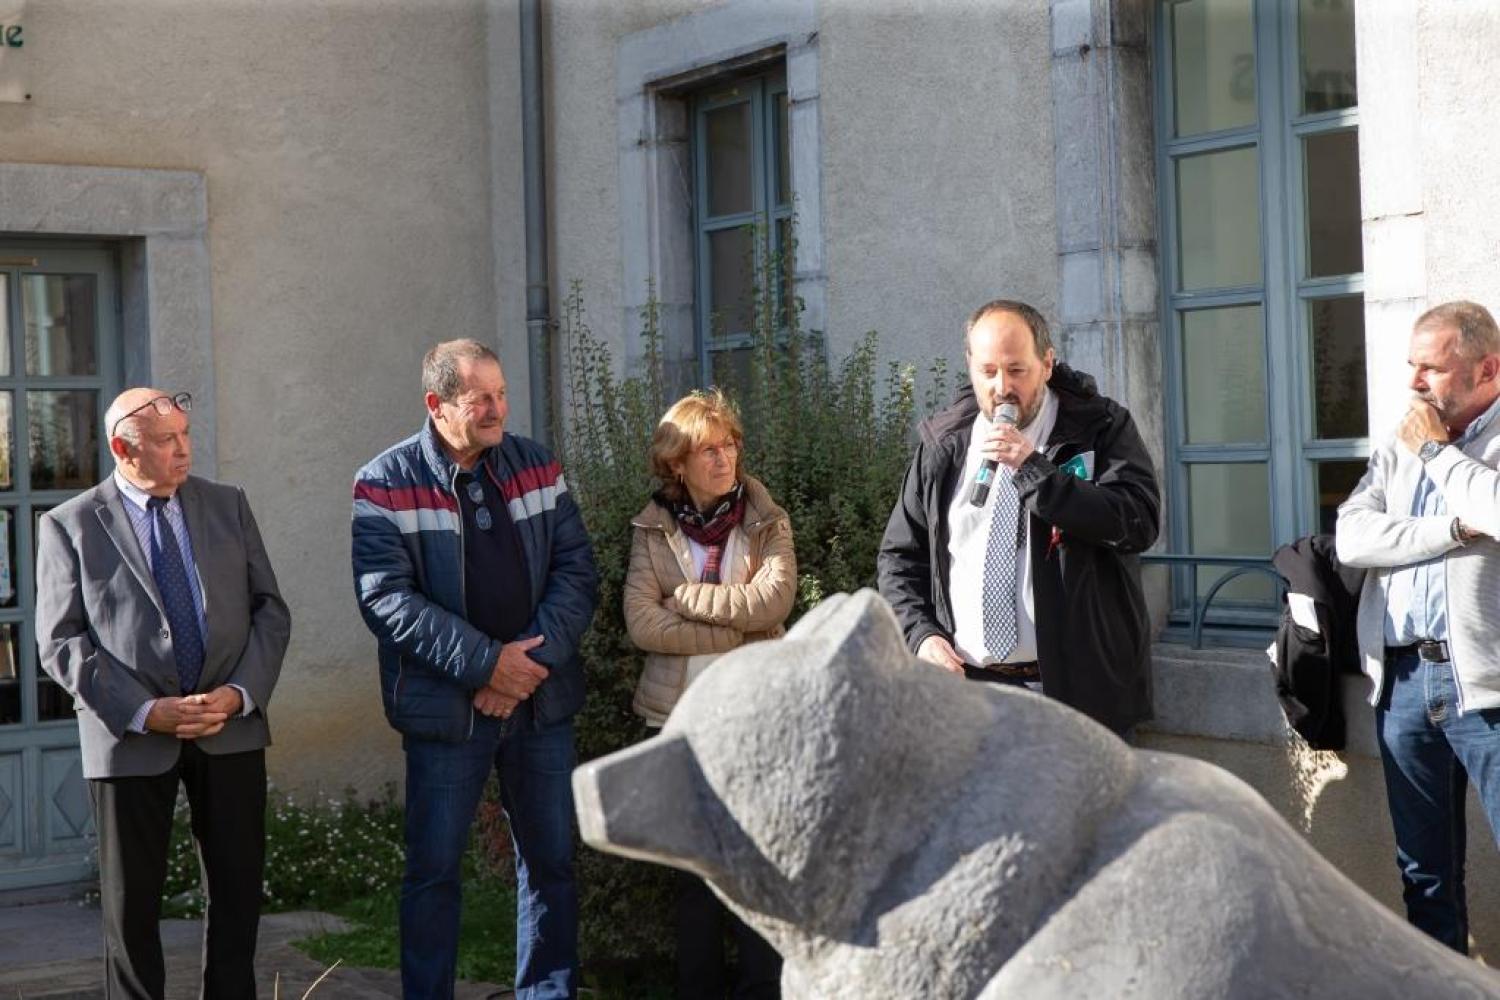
{"x": 1224, "y": 375}
{"x": 1213, "y": 65}
{"x": 1340, "y": 398}
{"x": 1336, "y": 480}
{"x": 1230, "y": 517}
{"x": 1334, "y": 238}
{"x": 1326, "y": 33}
{"x": 1218, "y": 219}
{"x": 60, "y": 363}
{"x": 59, "y": 312}
{"x": 10, "y": 680}
{"x": 64, "y": 444}
{"x": 1263, "y": 292}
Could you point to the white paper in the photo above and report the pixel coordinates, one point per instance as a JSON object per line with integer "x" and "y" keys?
{"x": 1304, "y": 612}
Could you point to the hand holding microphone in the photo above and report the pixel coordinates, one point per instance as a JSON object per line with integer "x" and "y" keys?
{"x": 1005, "y": 415}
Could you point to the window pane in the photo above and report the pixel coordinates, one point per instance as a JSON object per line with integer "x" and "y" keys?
{"x": 36, "y": 534}
{"x": 1213, "y": 65}
{"x": 10, "y": 679}
{"x": 1230, "y": 514}
{"x": 1218, "y": 219}
{"x": 8, "y": 557}
{"x": 4, "y": 324}
{"x": 730, "y": 371}
{"x": 52, "y": 702}
{"x": 1340, "y": 403}
{"x": 64, "y": 445}
{"x": 1333, "y": 227}
{"x": 783, "y": 150}
{"x": 1224, "y": 375}
{"x": 7, "y": 437}
{"x": 729, "y": 165}
{"x": 1327, "y": 36}
{"x": 1336, "y": 480}
{"x": 731, "y": 302}
{"x": 60, "y": 323}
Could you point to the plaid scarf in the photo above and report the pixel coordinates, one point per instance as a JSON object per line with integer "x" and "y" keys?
{"x": 709, "y": 528}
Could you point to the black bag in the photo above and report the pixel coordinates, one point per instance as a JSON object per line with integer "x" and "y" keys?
{"x": 1310, "y": 664}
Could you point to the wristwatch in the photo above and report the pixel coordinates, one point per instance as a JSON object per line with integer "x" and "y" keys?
{"x": 1430, "y": 449}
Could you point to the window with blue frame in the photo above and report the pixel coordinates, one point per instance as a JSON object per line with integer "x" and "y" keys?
{"x": 742, "y": 214}
{"x": 1263, "y": 309}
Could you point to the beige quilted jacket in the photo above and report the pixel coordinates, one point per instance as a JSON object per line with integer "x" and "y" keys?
{"x": 675, "y": 621}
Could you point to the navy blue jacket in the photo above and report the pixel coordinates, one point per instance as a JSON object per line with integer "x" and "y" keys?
{"x": 409, "y": 579}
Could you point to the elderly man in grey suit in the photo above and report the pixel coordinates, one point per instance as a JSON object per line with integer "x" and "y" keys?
{"x": 158, "y": 611}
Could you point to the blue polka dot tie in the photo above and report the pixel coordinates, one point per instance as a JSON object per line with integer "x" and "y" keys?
{"x": 176, "y": 597}
{"x": 999, "y": 595}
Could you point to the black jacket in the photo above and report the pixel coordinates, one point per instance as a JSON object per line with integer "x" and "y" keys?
{"x": 1093, "y": 631}
{"x": 1308, "y": 662}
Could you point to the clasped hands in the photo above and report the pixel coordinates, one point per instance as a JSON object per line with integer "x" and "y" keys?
{"x": 195, "y": 715}
{"x": 515, "y": 677}
{"x": 1421, "y": 424}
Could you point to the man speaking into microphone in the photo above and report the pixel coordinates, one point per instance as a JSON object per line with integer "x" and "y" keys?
{"x": 1011, "y": 555}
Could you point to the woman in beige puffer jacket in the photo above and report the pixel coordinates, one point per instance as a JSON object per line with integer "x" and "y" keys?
{"x": 711, "y": 568}
{"x": 681, "y": 622}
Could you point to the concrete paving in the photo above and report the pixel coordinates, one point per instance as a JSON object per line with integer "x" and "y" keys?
{"x": 50, "y": 950}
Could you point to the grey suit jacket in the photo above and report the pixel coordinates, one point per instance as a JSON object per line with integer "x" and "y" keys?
{"x": 102, "y": 631}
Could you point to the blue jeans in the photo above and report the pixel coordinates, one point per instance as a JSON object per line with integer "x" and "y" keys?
{"x": 1430, "y": 753}
{"x": 444, "y": 782}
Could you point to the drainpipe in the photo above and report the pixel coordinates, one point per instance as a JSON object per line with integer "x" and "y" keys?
{"x": 533, "y": 160}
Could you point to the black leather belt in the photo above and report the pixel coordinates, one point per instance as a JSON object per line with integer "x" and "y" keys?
{"x": 1431, "y": 650}
{"x": 1026, "y": 671}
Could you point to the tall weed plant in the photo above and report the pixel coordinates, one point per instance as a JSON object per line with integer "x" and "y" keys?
{"x": 830, "y": 440}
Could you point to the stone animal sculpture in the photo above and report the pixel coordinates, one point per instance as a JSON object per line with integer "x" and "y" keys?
{"x": 896, "y": 831}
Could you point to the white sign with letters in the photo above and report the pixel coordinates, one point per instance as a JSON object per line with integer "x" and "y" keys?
{"x": 14, "y": 52}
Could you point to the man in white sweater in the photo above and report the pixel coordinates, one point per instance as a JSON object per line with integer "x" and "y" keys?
{"x": 1424, "y": 520}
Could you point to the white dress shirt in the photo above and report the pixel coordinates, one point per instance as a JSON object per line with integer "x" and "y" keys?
{"x": 968, "y": 535}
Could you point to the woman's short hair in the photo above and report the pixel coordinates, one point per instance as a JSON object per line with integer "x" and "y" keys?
{"x": 689, "y": 423}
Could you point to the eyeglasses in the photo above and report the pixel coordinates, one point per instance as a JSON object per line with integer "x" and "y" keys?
{"x": 481, "y": 512}
{"x": 161, "y": 404}
{"x": 727, "y": 450}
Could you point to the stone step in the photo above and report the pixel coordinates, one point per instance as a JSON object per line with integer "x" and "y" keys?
{"x": 1224, "y": 693}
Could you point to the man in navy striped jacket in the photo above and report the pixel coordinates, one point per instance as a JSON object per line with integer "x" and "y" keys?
{"x": 474, "y": 571}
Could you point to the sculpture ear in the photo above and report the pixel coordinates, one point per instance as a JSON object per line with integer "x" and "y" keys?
{"x": 652, "y": 802}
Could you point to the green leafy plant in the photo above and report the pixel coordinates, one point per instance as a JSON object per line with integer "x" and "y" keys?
{"x": 831, "y": 442}
{"x": 319, "y": 854}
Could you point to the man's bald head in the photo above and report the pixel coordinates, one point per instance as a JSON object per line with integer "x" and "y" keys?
{"x": 151, "y": 448}
{"x": 129, "y": 401}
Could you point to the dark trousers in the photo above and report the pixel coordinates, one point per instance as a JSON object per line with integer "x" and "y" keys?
{"x": 227, "y": 796}
{"x": 701, "y": 972}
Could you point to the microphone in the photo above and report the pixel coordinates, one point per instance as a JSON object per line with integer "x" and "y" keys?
{"x": 1006, "y": 414}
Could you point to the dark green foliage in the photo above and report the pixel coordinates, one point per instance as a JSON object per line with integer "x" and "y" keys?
{"x": 831, "y": 442}
{"x": 318, "y": 854}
